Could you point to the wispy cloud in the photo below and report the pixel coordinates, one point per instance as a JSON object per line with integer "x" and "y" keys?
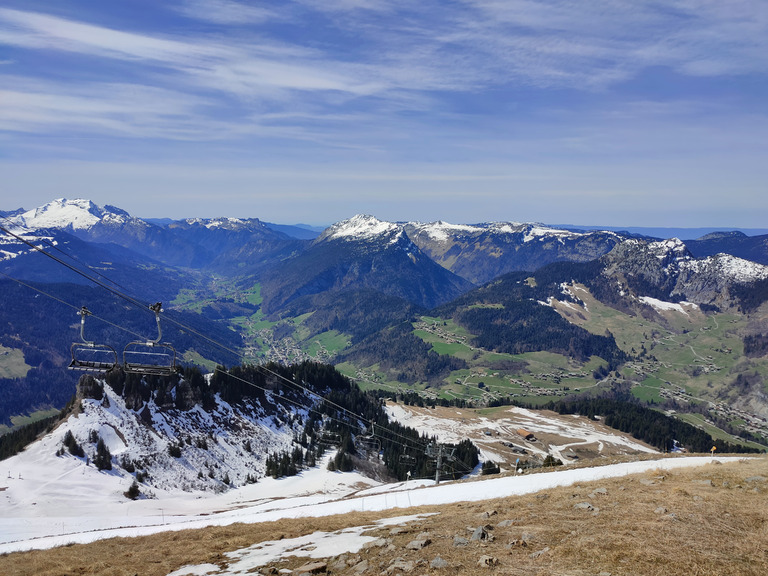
{"x": 226, "y": 12}
{"x": 561, "y": 43}
{"x": 394, "y": 81}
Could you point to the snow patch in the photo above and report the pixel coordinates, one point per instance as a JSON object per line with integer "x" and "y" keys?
{"x": 661, "y": 306}
{"x": 544, "y": 232}
{"x": 443, "y": 231}
{"x": 316, "y": 545}
{"x": 731, "y": 267}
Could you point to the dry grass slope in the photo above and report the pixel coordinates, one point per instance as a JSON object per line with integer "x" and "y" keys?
{"x": 707, "y": 520}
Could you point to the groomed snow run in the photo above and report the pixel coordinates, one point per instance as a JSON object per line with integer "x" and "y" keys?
{"x": 18, "y": 533}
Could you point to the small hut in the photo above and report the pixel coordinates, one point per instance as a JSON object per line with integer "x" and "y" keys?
{"x": 525, "y": 434}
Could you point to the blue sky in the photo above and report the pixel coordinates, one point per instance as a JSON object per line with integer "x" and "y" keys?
{"x": 611, "y": 112}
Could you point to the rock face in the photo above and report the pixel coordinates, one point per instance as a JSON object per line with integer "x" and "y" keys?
{"x": 668, "y": 271}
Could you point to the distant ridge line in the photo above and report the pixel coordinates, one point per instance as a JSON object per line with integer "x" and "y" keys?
{"x": 666, "y": 232}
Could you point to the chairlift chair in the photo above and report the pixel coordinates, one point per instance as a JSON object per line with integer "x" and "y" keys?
{"x": 407, "y": 459}
{"x": 150, "y": 357}
{"x": 87, "y": 356}
{"x": 368, "y": 442}
{"x": 329, "y": 438}
{"x": 430, "y": 451}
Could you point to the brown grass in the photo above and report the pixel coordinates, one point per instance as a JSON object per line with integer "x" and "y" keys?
{"x": 716, "y": 523}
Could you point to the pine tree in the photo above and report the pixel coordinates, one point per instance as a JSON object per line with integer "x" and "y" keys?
{"x": 74, "y": 448}
{"x": 103, "y": 458}
{"x": 132, "y": 492}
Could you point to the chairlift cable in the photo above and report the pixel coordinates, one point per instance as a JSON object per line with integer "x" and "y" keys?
{"x": 74, "y": 269}
{"x": 72, "y": 257}
{"x": 77, "y": 308}
{"x": 407, "y": 443}
{"x": 184, "y": 327}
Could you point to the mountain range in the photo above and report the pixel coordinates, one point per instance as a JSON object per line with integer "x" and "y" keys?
{"x": 389, "y": 350}
{"x": 436, "y": 307}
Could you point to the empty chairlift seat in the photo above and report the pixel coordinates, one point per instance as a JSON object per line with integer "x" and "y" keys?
{"x": 150, "y": 357}
{"x": 87, "y": 356}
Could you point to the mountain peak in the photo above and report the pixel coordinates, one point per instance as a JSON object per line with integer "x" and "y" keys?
{"x": 359, "y": 227}
{"x": 76, "y": 214}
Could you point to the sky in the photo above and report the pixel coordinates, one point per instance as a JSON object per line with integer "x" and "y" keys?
{"x": 607, "y": 112}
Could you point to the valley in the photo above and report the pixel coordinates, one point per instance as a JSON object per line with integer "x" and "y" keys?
{"x": 680, "y": 359}
{"x": 393, "y": 306}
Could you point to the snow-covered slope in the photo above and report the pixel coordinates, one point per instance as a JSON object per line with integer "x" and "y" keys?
{"x": 48, "y": 500}
{"x": 492, "y": 436}
{"x": 227, "y": 442}
{"x": 11, "y": 247}
{"x": 735, "y": 269}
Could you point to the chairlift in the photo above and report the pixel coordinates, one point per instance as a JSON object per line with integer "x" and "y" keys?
{"x": 150, "y": 357}
{"x": 329, "y": 438}
{"x": 429, "y": 451}
{"x": 368, "y": 442}
{"x": 407, "y": 459}
{"x": 88, "y": 356}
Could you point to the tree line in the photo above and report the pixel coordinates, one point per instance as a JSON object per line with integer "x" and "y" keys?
{"x": 646, "y": 424}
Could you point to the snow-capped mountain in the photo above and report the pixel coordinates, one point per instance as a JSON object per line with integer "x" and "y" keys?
{"x": 108, "y": 224}
{"x": 77, "y": 214}
{"x": 482, "y": 252}
{"x": 224, "y": 244}
{"x": 361, "y": 227}
{"x": 362, "y": 253}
